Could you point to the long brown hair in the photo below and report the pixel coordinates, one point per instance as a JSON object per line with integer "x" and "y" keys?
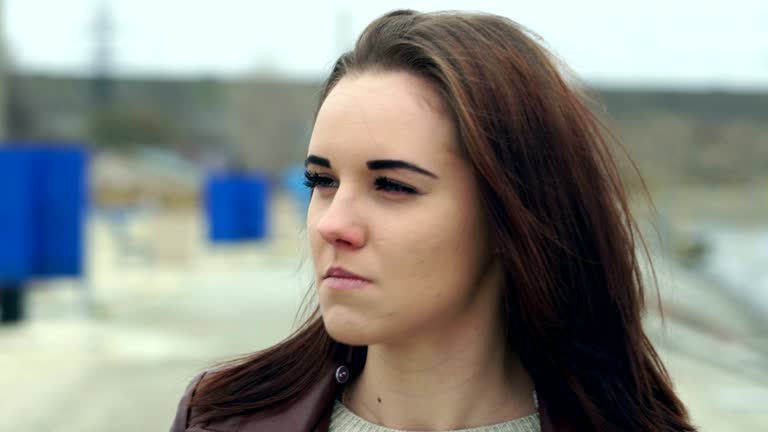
{"x": 573, "y": 295}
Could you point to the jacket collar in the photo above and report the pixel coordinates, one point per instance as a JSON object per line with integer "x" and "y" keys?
{"x": 312, "y": 412}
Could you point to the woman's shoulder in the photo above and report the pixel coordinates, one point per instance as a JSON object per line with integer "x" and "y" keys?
{"x": 187, "y": 412}
{"x": 265, "y": 391}
{"x": 183, "y": 410}
{"x": 305, "y": 411}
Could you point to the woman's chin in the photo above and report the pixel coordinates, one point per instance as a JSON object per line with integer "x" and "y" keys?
{"x": 347, "y": 331}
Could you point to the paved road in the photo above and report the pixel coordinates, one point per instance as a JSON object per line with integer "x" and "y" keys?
{"x": 118, "y": 358}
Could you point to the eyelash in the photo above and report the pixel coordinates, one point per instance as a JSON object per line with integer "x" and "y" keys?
{"x": 313, "y": 180}
{"x": 388, "y": 185}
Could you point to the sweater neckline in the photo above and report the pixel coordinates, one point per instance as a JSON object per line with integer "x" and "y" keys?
{"x": 343, "y": 419}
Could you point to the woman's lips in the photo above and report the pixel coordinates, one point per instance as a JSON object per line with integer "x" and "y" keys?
{"x": 342, "y": 279}
{"x": 344, "y": 283}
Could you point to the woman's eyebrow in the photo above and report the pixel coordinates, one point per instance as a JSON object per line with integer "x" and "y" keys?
{"x": 317, "y": 160}
{"x": 397, "y": 164}
{"x": 379, "y": 164}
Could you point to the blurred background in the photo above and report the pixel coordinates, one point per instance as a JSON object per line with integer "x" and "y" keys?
{"x": 152, "y": 214}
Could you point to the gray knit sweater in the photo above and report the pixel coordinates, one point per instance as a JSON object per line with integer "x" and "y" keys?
{"x": 344, "y": 420}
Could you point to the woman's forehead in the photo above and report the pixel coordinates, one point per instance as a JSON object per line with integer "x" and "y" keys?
{"x": 383, "y": 112}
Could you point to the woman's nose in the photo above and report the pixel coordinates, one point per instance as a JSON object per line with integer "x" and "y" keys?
{"x": 341, "y": 225}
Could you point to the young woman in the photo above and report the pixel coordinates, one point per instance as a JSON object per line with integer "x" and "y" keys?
{"x": 473, "y": 252}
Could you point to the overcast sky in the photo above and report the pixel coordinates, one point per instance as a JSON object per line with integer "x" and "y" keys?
{"x": 663, "y": 42}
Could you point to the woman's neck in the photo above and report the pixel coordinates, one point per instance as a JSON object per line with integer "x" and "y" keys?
{"x": 460, "y": 381}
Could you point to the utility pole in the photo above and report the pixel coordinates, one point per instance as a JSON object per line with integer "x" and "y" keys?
{"x": 103, "y": 57}
{"x": 3, "y": 75}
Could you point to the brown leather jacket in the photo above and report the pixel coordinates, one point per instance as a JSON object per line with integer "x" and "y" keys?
{"x": 311, "y": 413}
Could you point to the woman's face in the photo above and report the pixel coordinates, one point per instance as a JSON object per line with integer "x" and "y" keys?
{"x": 395, "y": 218}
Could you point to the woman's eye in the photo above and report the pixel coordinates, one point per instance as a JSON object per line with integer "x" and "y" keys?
{"x": 313, "y": 180}
{"x": 387, "y": 185}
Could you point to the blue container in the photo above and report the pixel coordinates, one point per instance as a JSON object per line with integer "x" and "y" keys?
{"x": 292, "y": 180}
{"x": 62, "y": 206}
{"x": 254, "y": 202}
{"x": 221, "y": 208}
{"x": 237, "y": 207}
{"x": 16, "y": 218}
{"x": 42, "y": 210}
